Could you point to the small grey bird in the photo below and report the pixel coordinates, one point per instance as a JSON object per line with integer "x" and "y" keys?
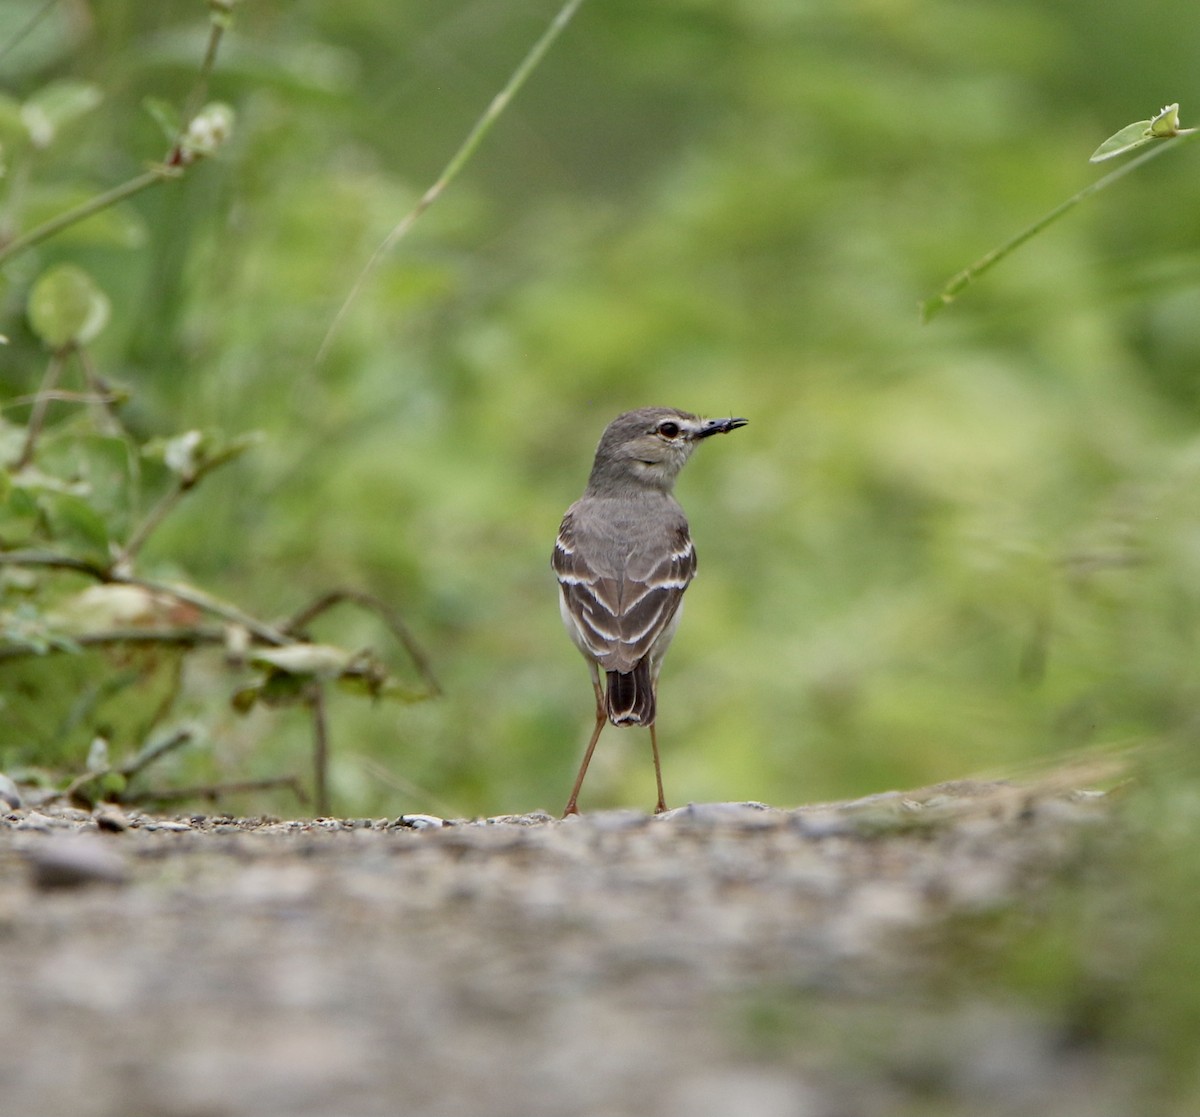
{"x": 623, "y": 558}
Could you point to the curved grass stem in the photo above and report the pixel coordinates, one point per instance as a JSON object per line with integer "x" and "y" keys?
{"x": 955, "y": 285}
{"x": 457, "y": 161}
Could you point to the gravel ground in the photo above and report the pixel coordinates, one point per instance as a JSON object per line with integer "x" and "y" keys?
{"x": 727, "y": 959}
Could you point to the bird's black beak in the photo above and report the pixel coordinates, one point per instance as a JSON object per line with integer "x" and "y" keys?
{"x": 719, "y": 426}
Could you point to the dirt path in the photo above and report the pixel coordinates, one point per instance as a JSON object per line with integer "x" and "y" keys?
{"x": 723, "y": 959}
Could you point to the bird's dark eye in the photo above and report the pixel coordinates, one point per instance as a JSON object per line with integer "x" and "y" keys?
{"x": 668, "y": 429}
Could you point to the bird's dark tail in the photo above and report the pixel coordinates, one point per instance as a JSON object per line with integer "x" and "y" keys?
{"x": 629, "y": 697}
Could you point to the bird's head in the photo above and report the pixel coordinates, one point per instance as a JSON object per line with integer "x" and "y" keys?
{"x": 650, "y": 446}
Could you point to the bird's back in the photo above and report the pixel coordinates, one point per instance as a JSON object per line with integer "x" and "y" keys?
{"x": 623, "y": 565}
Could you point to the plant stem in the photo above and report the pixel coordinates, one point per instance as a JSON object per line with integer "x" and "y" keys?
{"x": 115, "y": 637}
{"x": 216, "y": 29}
{"x": 206, "y": 603}
{"x": 104, "y": 400}
{"x": 155, "y": 750}
{"x": 968, "y": 275}
{"x": 63, "y": 395}
{"x": 188, "y": 595}
{"x": 40, "y": 405}
{"x": 85, "y": 210}
{"x": 457, "y": 161}
{"x": 320, "y": 751}
{"x": 391, "y": 618}
{"x": 156, "y": 515}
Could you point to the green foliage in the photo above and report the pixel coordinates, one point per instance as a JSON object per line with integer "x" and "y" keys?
{"x": 71, "y": 505}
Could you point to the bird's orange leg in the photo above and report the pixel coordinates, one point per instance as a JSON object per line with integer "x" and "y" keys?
{"x": 662, "y": 803}
{"x": 601, "y": 718}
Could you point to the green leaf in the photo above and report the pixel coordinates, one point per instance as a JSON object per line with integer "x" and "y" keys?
{"x": 194, "y": 453}
{"x": 55, "y": 106}
{"x": 277, "y": 689}
{"x": 1163, "y": 126}
{"x": 66, "y": 308}
{"x": 1130, "y": 137}
{"x": 312, "y": 660}
{"x": 1166, "y": 123}
{"x": 382, "y": 688}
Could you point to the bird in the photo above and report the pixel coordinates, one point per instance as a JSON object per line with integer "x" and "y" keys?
{"x": 623, "y": 559}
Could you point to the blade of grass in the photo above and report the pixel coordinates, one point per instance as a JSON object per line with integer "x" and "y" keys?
{"x": 457, "y": 161}
{"x": 25, "y": 29}
{"x": 968, "y": 275}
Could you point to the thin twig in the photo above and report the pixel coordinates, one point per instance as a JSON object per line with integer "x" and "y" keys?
{"x": 218, "y": 21}
{"x": 62, "y": 395}
{"x": 188, "y": 595}
{"x": 162, "y": 508}
{"x": 85, "y": 210}
{"x": 54, "y": 561}
{"x": 154, "y": 751}
{"x": 184, "y": 483}
{"x": 320, "y": 750}
{"x": 132, "y": 766}
{"x": 104, "y": 398}
{"x": 457, "y": 161}
{"x": 115, "y": 637}
{"x": 41, "y": 405}
{"x": 388, "y": 614}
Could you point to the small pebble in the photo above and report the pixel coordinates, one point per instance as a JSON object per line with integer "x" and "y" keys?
{"x": 755, "y": 813}
{"x": 10, "y": 794}
{"x": 111, "y": 819}
{"x": 35, "y": 820}
{"x": 420, "y": 821}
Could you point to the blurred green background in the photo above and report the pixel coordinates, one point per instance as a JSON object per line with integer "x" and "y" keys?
{"x": 936, "y": 550}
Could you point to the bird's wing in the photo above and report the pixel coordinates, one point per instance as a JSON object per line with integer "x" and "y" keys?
{"x": 621, "y": 597}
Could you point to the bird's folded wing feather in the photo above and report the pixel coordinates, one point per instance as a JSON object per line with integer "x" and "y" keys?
{"x": 622, "y": 595}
